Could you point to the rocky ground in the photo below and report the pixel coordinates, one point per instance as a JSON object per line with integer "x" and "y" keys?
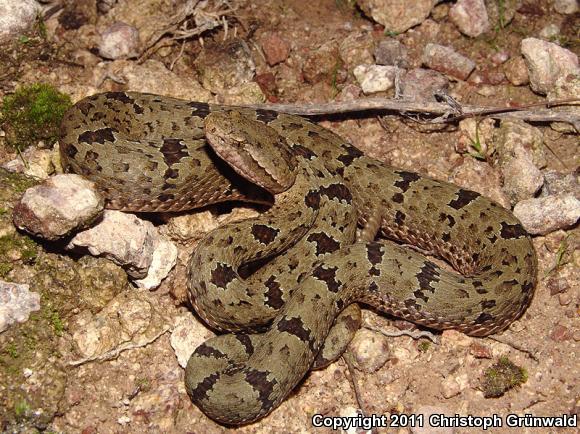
{"x": 96, "y": 345}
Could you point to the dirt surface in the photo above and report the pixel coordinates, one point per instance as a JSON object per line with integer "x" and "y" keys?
{"x": 142, "y": 390}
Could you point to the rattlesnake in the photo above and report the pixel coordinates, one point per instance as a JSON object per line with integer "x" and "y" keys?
{"x": 150, "y": 153}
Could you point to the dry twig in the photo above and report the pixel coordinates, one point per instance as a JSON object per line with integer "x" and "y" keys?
{"x": 444, "y": 111}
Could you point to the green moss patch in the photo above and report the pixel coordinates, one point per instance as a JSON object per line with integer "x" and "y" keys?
{"x": 501, "y": 377}
{"x": 33, "y": 113}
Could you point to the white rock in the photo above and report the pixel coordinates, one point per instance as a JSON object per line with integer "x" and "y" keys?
{"x": 164, "y": 259}
{"x": 470, "y": 17}
{"x": 547, "y": 62}
{"x": 188, "y": 334}
{"x": 370, "y": 350}
{"x": 375, "y": 78}
{"x": 118, "y": 41}
{"x": 59, "y": 205}
{"x": 566, "y": 7}
{"x": 128, "y": 241}
{"x": 16, "y": 16}
{"x": 548, "y": 214}
{"x": 16, "y": 303}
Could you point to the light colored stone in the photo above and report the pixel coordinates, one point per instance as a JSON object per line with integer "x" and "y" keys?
{"x": 119, "y": 41}
{"x": 188, "y": 334}
{"x": 520, "y": 150}
{"x": 396, "y": 15}
{"x": 192, "y": 226}
{"x": 16, "y": 303}
{"x": 522, "y": 179}
{"x": 561, "y": 183}
{"x": 59, "y": 205}
{"x": 16, "y": 16}
{"x": 567, "y": 87}
{"x": 550, "y": 32}
{"x": 454, "y": 385}
{"x": 566, "y": 7}
{"x": 547, "y": 62}
{"x": 129, "y": 242}
{"x": 370, "y": 350}
{"x": 470, "y": 17}
{"x": 163, "y": 261}
{"x": 375, "y": 78}
{"x": 543, "y": 215}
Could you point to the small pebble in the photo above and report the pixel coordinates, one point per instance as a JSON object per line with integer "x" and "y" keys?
{"x": 397, "y": 16}
{"x": 516, "y": 71}
{"x": 375, "y": 78}
{"x": 448, "y": 61}
{"x": 566, "y": 7}
{"x": 16, "y": 303}
{"x": 470, "y": 17}
{"x": 275, "y": 48}
{"x": 550, "y": 32}
{"x": 119, "y": 41}
{"x": 391, "y": 52}
{"x": 480, "y": 351}
{"x": 560, "y": 333}
{"x": 565, "y": 299}
{"x": 561, "y": 183}
{"x": 422, "y": 84}
{"x": 370, "y": 350}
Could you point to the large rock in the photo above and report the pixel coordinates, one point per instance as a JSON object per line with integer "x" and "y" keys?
{"x": 16, "y": 16}
{"x": 58, "y": 206}
{"x": 547, "y": 62}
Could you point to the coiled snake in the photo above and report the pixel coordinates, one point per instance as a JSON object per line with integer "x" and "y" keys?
{"x": 151, "y": 153}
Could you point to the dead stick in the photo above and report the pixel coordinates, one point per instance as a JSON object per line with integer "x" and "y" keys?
{"x": 445, "y": 112}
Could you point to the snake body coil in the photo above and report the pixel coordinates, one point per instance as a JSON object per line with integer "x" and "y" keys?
{"x": 150, "y": 153}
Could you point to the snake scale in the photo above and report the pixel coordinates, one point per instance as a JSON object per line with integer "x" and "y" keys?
{"x": 154, "y": 153}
